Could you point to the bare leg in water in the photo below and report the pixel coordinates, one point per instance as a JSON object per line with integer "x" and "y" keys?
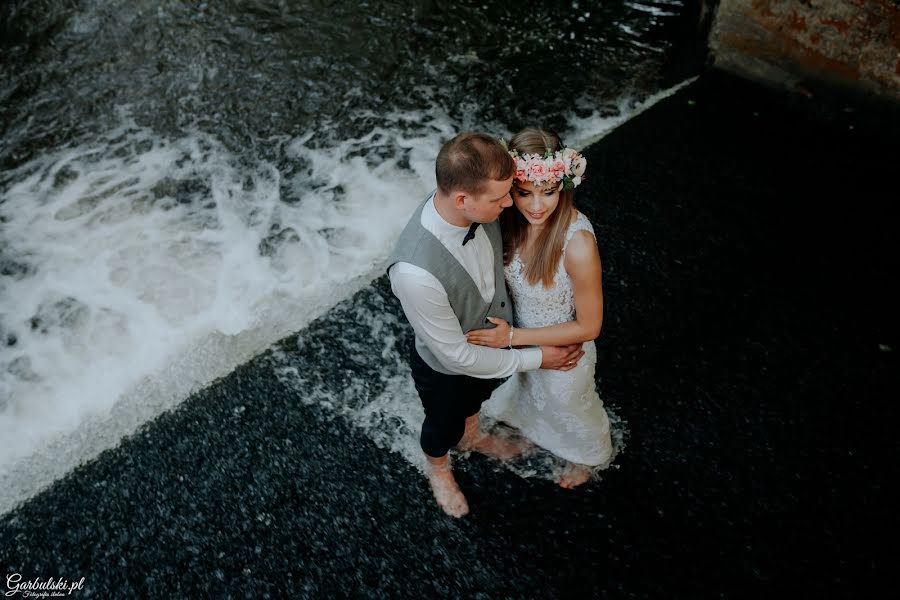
{"x": 490, "y": 445}
{"x": 440, "y": 474}
{"x": 443, "y": 485}
{"x": 574, "y": 475}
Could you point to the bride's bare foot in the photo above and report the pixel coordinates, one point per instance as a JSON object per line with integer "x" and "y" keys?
{"x": 443, "y": 485}
{"x": 491, "y": 445}
{"x": 495, "y": 446}
{"x": 573, "y": 476}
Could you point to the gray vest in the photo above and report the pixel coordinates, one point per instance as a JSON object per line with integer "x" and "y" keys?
{"x": 418, "y": 246}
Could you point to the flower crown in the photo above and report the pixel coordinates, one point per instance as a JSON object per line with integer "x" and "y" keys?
{"x": 564, "y": 167}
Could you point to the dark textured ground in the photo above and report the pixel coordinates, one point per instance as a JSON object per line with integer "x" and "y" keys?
{"x": 748, "y": 271}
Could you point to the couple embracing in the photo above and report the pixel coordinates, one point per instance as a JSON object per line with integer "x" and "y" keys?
{"x": 494, "y": 291}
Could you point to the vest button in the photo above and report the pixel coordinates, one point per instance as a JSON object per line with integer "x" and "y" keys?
{"x": 502, "y": 304}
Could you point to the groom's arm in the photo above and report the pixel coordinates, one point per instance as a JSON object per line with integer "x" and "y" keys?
{"x": 428, "y": 310}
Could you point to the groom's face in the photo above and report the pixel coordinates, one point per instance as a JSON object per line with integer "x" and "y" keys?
{"x": 487, "y": 205}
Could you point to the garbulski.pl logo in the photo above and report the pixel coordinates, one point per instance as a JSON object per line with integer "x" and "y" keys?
{"x": 36, "y": 588}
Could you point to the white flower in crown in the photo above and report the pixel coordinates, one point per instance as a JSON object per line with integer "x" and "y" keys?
{"x": 564, "y": 168}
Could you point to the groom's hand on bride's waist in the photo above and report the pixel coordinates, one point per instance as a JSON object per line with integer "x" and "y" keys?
{"x": 561, "y": 358}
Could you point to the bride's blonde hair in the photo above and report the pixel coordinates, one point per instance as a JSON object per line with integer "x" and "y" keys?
{"x": 542, "y": 258}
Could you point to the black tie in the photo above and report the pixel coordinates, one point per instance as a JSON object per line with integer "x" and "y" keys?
{"x": 471, "y": 233}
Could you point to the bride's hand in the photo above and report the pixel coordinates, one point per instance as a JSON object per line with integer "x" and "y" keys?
{"x": 498, "y": 337}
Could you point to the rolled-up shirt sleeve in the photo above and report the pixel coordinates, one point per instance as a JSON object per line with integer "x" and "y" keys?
{"x": 432, "y": 318}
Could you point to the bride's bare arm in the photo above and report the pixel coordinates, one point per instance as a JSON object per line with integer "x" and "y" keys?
{"x": 582, "y": 263}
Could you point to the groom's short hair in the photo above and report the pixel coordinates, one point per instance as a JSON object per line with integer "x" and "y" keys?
{"x": 470, "y": 159}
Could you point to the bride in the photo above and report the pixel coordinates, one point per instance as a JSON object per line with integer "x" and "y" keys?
{"x": 552, "y": 268}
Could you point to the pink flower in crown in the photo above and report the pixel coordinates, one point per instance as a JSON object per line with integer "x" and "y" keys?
{"x": 537, "y": 170}
{"x": 558, "y": 169}
{"x": 521, "y": 169}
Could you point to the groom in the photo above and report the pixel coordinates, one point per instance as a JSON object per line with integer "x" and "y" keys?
{"x": 448, "y": 274}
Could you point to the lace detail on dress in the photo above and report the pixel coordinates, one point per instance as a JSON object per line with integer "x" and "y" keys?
{"x": 537, "y": 306}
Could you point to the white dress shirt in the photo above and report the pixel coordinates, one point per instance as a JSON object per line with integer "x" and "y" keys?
{"x": 428, "y": 309}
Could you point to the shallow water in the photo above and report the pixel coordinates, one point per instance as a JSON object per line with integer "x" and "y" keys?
{"x": 183, "y": 184}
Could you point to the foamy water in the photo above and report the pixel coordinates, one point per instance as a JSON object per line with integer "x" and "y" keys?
{"x": 134, "y": 252}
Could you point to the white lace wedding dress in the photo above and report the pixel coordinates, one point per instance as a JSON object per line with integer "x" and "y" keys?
{"x": 557, "y": 410}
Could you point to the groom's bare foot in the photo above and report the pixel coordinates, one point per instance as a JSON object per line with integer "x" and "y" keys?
{"x": 443, "y": 485}
{"x": 574, "y": 475}
{"x": 494, "y": 446}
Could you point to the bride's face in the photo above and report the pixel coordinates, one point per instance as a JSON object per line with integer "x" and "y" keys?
{"x": 534, "y": 202}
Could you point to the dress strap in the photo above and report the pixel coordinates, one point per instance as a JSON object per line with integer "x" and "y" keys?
{"x": 581, "y": 223}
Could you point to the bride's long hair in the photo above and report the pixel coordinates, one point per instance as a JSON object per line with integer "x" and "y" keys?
{"x": 541, "y": 260}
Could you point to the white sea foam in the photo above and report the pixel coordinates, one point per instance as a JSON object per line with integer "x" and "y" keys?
{"x": 584, "y": 131}
{"x": 656, "y": 11}
{"x": 145, "y": 267}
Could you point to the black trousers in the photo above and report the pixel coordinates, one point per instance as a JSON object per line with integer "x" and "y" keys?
{"x": 448, "y": 400}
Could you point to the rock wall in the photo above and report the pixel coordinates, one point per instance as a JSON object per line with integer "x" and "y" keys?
{"x": 800, "y": 44}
